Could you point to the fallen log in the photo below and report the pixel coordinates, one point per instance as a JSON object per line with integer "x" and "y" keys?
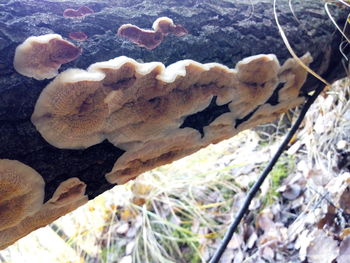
{"x": 87, "y": 130}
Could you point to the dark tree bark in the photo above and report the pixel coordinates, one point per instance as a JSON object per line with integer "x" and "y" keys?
{"x": 219, "y": 31}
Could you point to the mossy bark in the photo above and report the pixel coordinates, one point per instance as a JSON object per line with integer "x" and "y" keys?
{"x": 219, "y": 31}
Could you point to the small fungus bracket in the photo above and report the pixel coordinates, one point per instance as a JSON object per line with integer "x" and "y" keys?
{"x": 40, "y": 57}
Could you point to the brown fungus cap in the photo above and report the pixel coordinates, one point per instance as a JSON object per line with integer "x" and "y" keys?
{"x": 150, "y": 39}
{"x": 153, "y": 154}
{"x": 78, "y": 13}
{"x": 21, "y": 192}
{"x": 40, "y": 57}
{"x": 292, "y": 75}
{"x": 70, "y": 111}
{"x": 165, "y": 25}
{"x": 258, "y": 69}
{"x": 78, "y": 36}
{"x": 69, "y": 191}
{"x": 68, "y": 196}
{"x": 141, "y": 37}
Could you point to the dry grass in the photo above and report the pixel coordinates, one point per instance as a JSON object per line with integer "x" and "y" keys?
{"x": 176, "y": 209}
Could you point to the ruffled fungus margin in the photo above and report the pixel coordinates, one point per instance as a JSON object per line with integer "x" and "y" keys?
{"x": 166, "y": 26}
{"x": 140, "y": 108}
{"x": 40, "y": 57}
{"x": 68, "y": 196}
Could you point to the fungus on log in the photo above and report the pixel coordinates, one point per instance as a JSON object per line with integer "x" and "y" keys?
{"x": 70, "y": 111}
{"x": 70, "y": 191}
{"x": 142, "y": 108}
{"x": 21, "y": 192}
{"x": 141, "y": 37}
{"x": 40, "y": 57}
{"x": 166, "y": 26}
{"x": 68, "y": 196}
{"x": 149, "y": 39}
{"x": 77, "y": 13}
{"x": 78, "y": 36}
{"x": 93, "y": 117}
{"x": 174, "y": 142}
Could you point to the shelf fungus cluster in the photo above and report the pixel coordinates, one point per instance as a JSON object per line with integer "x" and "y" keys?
{"x": 22, "y": 192}
{"x": 159, "y": 114}
{"x": 40, "y": 57}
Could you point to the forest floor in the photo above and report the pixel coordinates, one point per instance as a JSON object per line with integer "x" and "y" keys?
{"x": 179, "y": 212}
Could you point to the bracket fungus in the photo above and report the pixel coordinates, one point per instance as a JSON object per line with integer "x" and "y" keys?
{"x": 166, "y": 26}
{"x": 69, "y": 191}
{"x": 70, "y": 111}
{"x": 149, "y": 39}
{"x": 141, "y": 37}
{"x": 293, "y": 76}
{"x": 158, "y": 114}
{"x": 78, "y": 36}
{"x": 40, "y": 57}
{"x": 80, "y": 12}
{"x": 68, "y": 196}
{"x": 21, "y": 192}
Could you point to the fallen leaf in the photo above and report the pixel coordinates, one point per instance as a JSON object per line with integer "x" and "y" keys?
{"x": 249, "y": 236}
{"x": 344, "y": 200}
{"x": 267, "y": 253}
{"x": 328, "y": 219}
{"x": 126, "y": 259}
{"x": 264, "y": 220}
{"x": 122, "y": 228}
{"x": 302, "y": 243}
{"x": 228, "y": 256}
{"x": 236, "y": 242}
{"x": 318, "y": 177}
{"x": 292, "y": 192}
{"x": 239, "y": 257}
{"x": 128, "y": 213}
{"x": 251, "y": 240}
{"x": 322, "y": 249}
{"x": 345, "y": 233}
{"x": 344, "y": 251}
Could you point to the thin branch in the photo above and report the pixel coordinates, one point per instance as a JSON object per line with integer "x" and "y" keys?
{"x": 255, "y": 188}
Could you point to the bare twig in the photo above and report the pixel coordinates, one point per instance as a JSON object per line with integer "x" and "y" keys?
{"x": 255, "y": 188}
